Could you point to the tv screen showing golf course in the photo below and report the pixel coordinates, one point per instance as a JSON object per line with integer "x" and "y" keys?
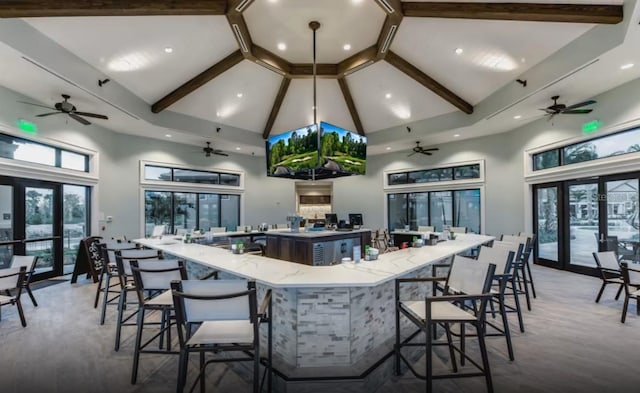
{"x": 342, "y": 151}
{"x": 293, "y": 152}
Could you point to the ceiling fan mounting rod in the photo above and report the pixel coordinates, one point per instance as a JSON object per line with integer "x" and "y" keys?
{"x": 314, "y": 25}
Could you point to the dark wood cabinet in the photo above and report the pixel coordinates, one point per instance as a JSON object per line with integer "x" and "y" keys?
{"x": 315, "y": 199}
{"x": 300, "y": 249}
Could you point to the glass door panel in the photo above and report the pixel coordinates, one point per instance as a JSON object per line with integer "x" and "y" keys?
{"x": 184, "y": 213}
{"x": 74, "y": 223}
{"x": 546, "y": 202}
{"x": 39, "y": 230}
{"x": 6, "y": 225}
{"x": 157, "y": 210}
{"x": 622, "y": 227}
{"x": 584, "y": 230}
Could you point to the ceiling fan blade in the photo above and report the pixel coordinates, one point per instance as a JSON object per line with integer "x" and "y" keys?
{"x": 432, "y": 149}
{"x": 48, "y": 114}
{"x": 220, "y": 153}
{"x": 578, "y": 105}
{"x": 41, "y": 106}
{"x": 577, "y": 112}
{"x": 97, "y": 116}
{"x": 79, "y": 119}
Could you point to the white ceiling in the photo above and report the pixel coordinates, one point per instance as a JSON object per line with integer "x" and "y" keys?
{"x": 483, "y": 75}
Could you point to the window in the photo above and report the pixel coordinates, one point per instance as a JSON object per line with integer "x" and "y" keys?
{"x": 440, "y": 209}
{"x": 435, "y": 175}
{"x": 190, "y": 210}
{"x": 180, "y": 175}
{"x": 606, "y": 146}
{"x": 15, "y": 148}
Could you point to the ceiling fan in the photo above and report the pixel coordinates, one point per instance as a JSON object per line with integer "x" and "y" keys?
{"x": 68, "y": 108}
{"x": 422, "y": 150}
{"x": 208, "y": 151}
{"x": 562, "y": 109}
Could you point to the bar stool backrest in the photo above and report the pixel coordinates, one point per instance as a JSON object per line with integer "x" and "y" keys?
{"x": 124, "y": 258}
{"x": 425, "y": 228}
{"x": 524, "y": 240}
{"x": 465, "y": 276}
{"x": 112, "y": 246}
{"x": 158, "y": 231}
{"x": 502, "y": 257}
{"x": 217, "y": 229}
{"x": 234, "y": 303}
{"x": 517, "y": 248}
{"x": 157, "y": 274}
{"x": 458, "y": 229}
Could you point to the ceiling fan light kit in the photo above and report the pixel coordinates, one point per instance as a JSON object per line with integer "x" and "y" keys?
{"x": 65, "y": 107}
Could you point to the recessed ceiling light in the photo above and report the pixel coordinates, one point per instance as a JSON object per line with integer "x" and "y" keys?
{"x": 217, "y": 114}
{"x": 517, "y": 117}
{"x": 346, "y": 47}
{"x": 388, "y": 148}
{"x": 167, "y": 135}
{"x": 168, "y": 49}
{"x": 523, "y": 60}
{"x": 459, "y": 51}
{"x": 456, "y": 135}
{"x": 356, "y": 2}
{"x": 626, "y": 66}
{"x": 239, "y": 95}
{"x": 282, "y": 46}
{"x": 387, "y": 96}
{"x": 238, "y": 148}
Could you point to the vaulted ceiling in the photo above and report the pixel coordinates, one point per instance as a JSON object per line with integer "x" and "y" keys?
{"x": 244, "y": 66}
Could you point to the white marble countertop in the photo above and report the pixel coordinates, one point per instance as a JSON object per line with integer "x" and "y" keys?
{"x": 282, "y": 274}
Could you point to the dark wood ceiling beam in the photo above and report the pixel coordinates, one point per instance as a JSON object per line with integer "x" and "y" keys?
{"x": 393, "y": 9}
{"x": 198, "y": 81}
{"x": 351, "y": 105}
{"x": 357, "y": 61}
{"x": 428, "y": 82}
{"x": 270, "y": 60}
{"x": 241, "y": 33}
{"x": 48, "y": 8}
{"x": 239, "y": 6}
{"x": 387, "y": 34}
{"x": 325, "y": 71}
{"x": 575, "y": 13}
{"x": 282, "y": 92}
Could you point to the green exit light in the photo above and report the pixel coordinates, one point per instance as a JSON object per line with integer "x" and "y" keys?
{"x": 592, "y": 126}
{"x": 27, "y": 126}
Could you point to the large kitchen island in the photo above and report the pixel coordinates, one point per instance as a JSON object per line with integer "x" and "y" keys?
{"x": 328, "y": 321}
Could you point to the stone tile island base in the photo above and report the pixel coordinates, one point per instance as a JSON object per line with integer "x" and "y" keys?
{"x": 334, "y": 332}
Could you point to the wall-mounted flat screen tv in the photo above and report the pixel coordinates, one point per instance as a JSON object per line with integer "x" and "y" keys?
{"x": 293, "y": 154}
{"x": 342, "y": 152}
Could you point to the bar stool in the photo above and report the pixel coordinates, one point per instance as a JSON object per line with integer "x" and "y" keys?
{"x": 503, "y": 259}
{"x": 468, "y": 281}
{"x": 109, "y": 271}
{"x": 154, "y": 277}
{"x": 221, "y": 316}
{"x": 521, "y": 266}
{"x": 512, "y": 286}
{"x": 125, "y": 279}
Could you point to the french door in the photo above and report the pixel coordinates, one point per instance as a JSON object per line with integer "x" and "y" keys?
{"x": 575, "y": 218}
{"x": 42, "y": 218}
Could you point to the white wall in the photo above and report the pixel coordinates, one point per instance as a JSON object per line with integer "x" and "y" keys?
{"x": 271, "y": 199}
